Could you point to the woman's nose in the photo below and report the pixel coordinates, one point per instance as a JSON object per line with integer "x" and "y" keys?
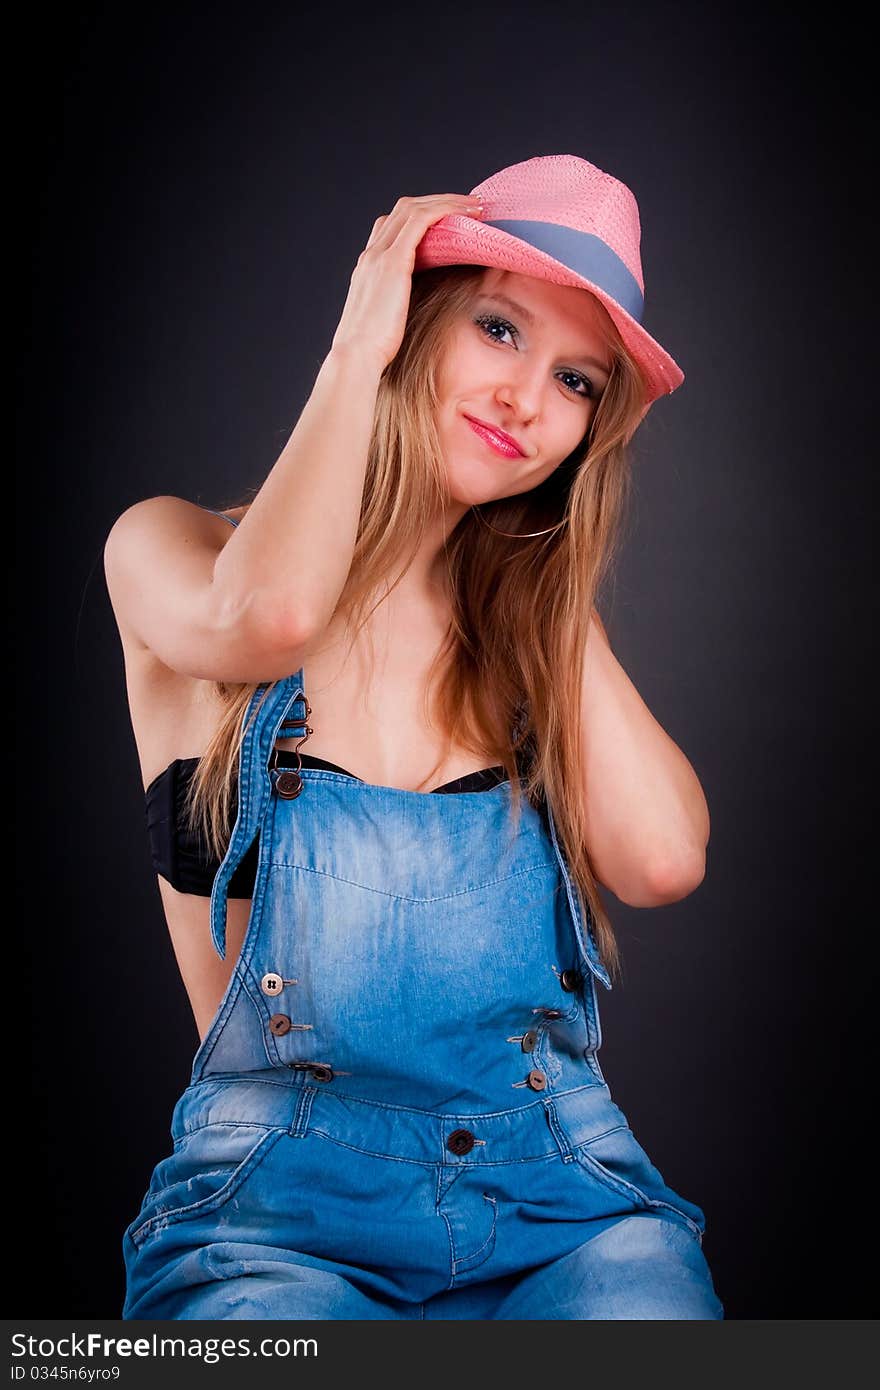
{"x": 521, "y": 395}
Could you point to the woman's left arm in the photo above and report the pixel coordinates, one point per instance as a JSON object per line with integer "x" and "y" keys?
{"x": 647, "y": 817}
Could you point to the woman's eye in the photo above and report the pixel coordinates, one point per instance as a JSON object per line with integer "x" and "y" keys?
{"x": 487, "y": 322}
{"x": 583, "y": 381}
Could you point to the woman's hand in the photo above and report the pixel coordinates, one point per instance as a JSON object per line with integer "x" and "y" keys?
{"x": 374, "y": 317}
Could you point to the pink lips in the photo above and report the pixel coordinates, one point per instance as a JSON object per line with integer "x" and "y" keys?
{"x": 502, "y": 443}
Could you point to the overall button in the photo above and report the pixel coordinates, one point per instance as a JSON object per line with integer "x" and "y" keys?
{"x": 571, "y": 980}
{"x": 319, "y": 1071}
{"x": 271, "y": 983}
{"x": 460, "y": 1141}
{"x": 288, "y": 784}
{"x": 550, "y": 1013}
{"x": 279, "y": 1024}
{"x": 529, "y": 1040}
{"x": 537, "y": 1081}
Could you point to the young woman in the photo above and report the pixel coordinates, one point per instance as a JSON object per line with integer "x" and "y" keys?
{"x": 392, "y": 938}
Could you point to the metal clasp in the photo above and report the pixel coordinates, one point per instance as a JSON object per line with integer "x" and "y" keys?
{"x": 307, "y": 731}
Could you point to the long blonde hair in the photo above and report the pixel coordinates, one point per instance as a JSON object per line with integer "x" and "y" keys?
{"x": 508, "y": 676}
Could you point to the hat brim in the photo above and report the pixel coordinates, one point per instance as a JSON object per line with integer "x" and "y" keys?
{"x": 461, "y": 240}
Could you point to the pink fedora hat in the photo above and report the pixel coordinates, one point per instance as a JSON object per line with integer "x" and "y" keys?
{"x": 561, "y": 219}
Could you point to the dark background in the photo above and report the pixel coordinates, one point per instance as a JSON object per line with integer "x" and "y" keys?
{"x": 192, "y": 190}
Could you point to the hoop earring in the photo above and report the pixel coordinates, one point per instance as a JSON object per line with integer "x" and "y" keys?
{"x": 515, "y": 535}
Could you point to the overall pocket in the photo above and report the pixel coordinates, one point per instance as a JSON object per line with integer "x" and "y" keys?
{"x": 617, "y": 1159}
{"x": 206, "y": 1169}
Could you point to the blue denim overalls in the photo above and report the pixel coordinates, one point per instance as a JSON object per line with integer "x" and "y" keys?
{"x": 397, "y": 1111}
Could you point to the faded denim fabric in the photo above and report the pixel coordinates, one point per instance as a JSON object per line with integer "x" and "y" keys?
{"x": 398, "y": 1110}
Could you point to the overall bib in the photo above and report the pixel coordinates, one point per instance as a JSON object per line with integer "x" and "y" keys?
{"x": 398, "y": 1111}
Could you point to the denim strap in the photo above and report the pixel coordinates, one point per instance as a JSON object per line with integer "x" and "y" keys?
{"x": 586, "y": 940}
{"x": 262, "y": 724}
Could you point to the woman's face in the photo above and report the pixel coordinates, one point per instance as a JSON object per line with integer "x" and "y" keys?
{"x": 530, "y": 359}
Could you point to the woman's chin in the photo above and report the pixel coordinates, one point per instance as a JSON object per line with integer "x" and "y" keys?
{"x": 470, "y": 488}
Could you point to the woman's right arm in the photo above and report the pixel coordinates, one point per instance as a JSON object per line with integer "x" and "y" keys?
{"x": 243, "y": 607}
{"x": 289, "y": 557}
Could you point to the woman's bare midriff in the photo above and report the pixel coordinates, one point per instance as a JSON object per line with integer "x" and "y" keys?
{"x": 372, "y": 724}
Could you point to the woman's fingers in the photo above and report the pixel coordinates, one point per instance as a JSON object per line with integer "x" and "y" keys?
{"x": 375, "y": 312}
{"x": 415, "y": 213}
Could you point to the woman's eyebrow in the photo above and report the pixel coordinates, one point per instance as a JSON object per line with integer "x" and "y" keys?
{"x": 529, "y": 318}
